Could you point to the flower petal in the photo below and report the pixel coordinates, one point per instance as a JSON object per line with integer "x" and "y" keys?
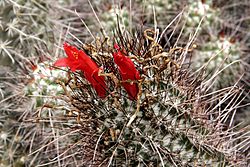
{"x": 128, "y": 72}
{"x": 79, "y": 60}
{"x": 100, "y": 85}
{"x": 71, "y": 51}
{"x": 63, "y": 62}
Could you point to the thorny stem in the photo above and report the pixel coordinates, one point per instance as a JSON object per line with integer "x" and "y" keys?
{"x": 137, "y": 103}
{"x": 111, "y": 75}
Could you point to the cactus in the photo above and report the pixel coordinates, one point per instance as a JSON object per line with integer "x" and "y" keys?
{"x": 174, "y": 120}
{"x": 16, "y": 36}
{"x": 109, "y": 18}
{"x": 29, "y": 124}
{"x": 24, "y": 29}
{"x": 12, "y": 150}
{"x": 222, "y": 58}
{"x": 221, "y": 53}
{"x": 24, "y": 23}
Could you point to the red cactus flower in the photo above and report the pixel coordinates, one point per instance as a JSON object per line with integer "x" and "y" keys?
{"x": 79, "y": 60}
{"x": 128, "y": 72}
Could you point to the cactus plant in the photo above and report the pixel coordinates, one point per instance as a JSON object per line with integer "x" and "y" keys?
{"x": 222, "y": 56}
{"x": 174, "y": 120}
{"x": 23, "y": 24}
